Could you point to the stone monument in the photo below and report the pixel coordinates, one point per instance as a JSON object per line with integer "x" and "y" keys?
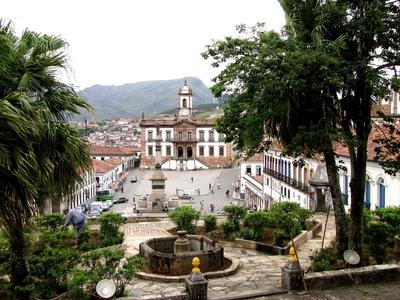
{"x": 158, "y": 198}
{"x": 321, "y": 196}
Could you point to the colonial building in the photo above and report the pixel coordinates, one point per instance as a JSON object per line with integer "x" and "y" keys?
{"x": 83, "y": 193}
{"x": 307, "y": 183}
{"x": 251, "y": 182}
{"x": 187, "y": 143}
{"x": 130, "y": 155}
{"x": 107, "y": 172}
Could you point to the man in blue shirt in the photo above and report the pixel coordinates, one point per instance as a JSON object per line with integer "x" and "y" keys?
{"x": 75, "y": 218}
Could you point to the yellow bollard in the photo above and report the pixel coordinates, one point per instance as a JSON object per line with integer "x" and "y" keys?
{"x": 196, "y": 264}
{"x": 292, "y": 252}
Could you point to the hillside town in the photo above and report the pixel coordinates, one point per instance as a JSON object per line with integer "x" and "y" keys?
{"x": 275, "y": 176}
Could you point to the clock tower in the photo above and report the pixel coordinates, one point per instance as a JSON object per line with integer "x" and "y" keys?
{"x": 185, "y": 101}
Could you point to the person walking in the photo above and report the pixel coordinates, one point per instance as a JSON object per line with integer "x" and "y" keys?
{"x": 202, "y": 204}
{"x": 212, "y": 191}
{"x": 219, "y": 186}
{"x": 75, "y": 218}
{"x": 209, "y": 186}
{"x": 191, "y": 178}
{"x": 227, "y": 194}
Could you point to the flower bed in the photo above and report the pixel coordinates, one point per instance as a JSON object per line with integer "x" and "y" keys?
{"x": 303, "y": 237}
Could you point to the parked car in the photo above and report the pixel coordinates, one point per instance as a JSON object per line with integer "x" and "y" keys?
{"x": 144, "y": 197}
{"x": 94, "y": 214}
{"x": 121, "y": 200}
{"x": 134, "y": 179}
{"x": 99, "y": 205}
{"x": 185, "y": 196}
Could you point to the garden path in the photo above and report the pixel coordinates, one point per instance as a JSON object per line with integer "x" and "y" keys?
{"x": 258, "y": 271}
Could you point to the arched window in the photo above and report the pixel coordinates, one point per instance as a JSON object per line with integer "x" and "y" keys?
{"x": 305, "y": 176}
{"x": 367, "y": 194}
{"x": 381, "y": 193}
{"x": 345, "y": 195}
{"x": 184, "y": 103}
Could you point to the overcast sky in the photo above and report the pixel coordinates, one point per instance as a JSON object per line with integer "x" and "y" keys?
{"x": 124, "y": 41}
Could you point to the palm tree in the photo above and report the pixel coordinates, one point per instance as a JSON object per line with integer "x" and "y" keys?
{"x": 41, "y": 156}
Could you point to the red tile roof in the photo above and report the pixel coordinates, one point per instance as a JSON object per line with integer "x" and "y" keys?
{"x": 341, "y": 149}
{"x": 102, "y": 166}
{"x": 259, "y": 178}
{"x": 113, "y": 151}
{"x": 257, "y": 157}
{"x": 376, "y": 132}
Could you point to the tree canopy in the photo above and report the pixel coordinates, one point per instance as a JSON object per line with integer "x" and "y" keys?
{"x": 311, "y": 85}
{"x": 41, "y": 155}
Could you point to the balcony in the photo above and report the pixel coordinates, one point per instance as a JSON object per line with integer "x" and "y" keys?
{"x": 288, "y": 180}
{"x": 184, "y": 140}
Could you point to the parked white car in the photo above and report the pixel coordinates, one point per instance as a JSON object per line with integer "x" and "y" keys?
{"x": 99, "y": 205}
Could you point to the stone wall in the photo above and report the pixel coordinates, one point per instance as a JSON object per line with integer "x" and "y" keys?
{"x": 369, "y": 274}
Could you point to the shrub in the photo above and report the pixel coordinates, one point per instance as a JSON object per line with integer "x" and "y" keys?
{"x": 109, "y": 229}
{"x": 51, "y": 221}
{"x": 323, "y": 259}
{"x": 247, "y": 234}
{"x": 50, "y": 271}
{"x": 215, "y": 233}
{"x": 210, "y": 223}
{"x": 51, "y": 261}
{"x": 183, "y": 217}
{"x": 229, "y": 229}
{"x": 391, "y": 216}
{"x": 85, "y": 242}
{"x": 280, "y": 238}
{"x": 368, "y": 216}
{"x": 376, "y": 237}
{"x": 257, "y": 223}
{"x": 290, "y": 217}
{"x": 235, "y": 214}
{"x": 104, "y": 264}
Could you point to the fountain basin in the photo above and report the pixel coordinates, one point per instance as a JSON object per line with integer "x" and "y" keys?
{"x": 161, "y": 259}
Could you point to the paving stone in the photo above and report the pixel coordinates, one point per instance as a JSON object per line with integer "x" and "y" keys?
{"x": 258, "y": 271}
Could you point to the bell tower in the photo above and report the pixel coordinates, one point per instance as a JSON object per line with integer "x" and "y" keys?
{"x": 185, "y": 101}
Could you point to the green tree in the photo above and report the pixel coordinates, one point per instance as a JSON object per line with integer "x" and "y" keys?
{"x": 184, "y": 217}
{"x": 312, "y": 86}
{"x": 110, "y": 233}
{"x": 276, "y": 82}
{"x": 41, "y": 156}
{"x": 235, "y": 214}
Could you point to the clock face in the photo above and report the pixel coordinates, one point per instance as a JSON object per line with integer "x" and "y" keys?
{"x": 184, "y": 112}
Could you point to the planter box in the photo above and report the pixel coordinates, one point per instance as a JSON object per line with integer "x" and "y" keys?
{"x": 303, "y": 237}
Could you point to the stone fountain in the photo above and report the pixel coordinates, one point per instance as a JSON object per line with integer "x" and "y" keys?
{"x": 173, "y": 255}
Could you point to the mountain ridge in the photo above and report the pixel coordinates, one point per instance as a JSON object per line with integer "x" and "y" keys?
{"x": 131, "y": 99}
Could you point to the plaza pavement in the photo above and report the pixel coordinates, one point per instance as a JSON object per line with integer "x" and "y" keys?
{"x": 258, "y": 271}
{"x": 182, "y": 180}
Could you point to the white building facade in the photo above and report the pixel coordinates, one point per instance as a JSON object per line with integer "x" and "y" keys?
{"x": 187, "y": 143}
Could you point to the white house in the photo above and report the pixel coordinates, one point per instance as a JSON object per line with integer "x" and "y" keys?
{"x": 107, "y": 171}
{"x": 130, "y": 155}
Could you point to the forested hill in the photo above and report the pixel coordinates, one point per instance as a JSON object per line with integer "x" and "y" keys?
{"x": 150, "y": 97}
